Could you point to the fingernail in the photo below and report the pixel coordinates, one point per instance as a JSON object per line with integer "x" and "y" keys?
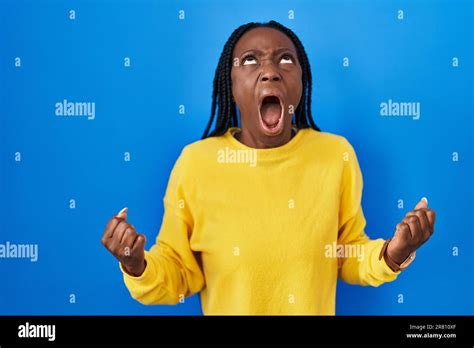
{"x": 122, "y": 211}
{"x": 425, "y": 199}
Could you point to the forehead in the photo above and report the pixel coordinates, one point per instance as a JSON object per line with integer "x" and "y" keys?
{"x": 264, "y": 39}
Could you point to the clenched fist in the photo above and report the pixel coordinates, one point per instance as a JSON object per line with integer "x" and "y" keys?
{"x": 123, "y": 241}
{"x": 415, "y": 229}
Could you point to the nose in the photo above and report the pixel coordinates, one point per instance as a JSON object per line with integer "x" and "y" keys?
{"x": 270, "y": 73}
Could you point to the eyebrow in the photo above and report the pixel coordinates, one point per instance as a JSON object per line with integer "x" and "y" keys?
{"x": 278, "y": 50}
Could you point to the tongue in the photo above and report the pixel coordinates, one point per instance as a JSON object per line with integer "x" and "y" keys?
{"x": 271, "y": 113}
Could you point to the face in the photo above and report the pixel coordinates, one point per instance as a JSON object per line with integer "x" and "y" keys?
{"x": 266, "y": 85}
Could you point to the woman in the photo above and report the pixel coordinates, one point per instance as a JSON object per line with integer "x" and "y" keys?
{"x": 263, "y": 217}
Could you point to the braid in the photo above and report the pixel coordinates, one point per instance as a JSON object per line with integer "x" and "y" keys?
{"x": 214, "y": 105}
{"x": 222, "y": 99}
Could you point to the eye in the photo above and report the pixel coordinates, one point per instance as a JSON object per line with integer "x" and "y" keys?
{"x": 249, "y": 60}
{"x": 286, "y": 59}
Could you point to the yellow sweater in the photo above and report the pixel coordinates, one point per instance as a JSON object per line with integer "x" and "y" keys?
{"x": 259, "y": 231}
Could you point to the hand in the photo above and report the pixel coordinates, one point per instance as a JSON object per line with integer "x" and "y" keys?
{"x": 128, "y": 246}
{"x": 414, "y": 230}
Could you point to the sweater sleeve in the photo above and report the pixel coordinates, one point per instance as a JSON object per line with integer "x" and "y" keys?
{"x": 173, "y": 270}
{"x": 360, "y": 263}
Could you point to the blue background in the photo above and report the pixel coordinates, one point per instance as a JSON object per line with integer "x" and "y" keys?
{"x": 173, "y": 63}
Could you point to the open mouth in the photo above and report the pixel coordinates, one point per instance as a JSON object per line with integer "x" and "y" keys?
{"x": 271, "y": 115}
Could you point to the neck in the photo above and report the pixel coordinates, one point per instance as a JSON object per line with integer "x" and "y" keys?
{"x": 250, "y": 140}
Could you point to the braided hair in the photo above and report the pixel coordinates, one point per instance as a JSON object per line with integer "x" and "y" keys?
{"x": 222, "y": 99}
